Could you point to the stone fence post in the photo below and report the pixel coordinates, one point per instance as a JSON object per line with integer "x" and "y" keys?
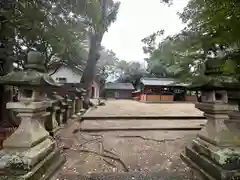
{"x": 30, "y": 153}
{"x": 72, "y": 92}
{"x": 83, "y": 93}
{"x": 68, "y": 107}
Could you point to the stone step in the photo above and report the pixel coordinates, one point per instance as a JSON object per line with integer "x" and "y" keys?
{"x": 122, "y": 124}
{"x": 88, "y": 116}
{"x": 128, "y": 176}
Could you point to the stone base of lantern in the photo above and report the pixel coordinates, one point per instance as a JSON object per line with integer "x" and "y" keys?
{"x": 41, "y": 171}
{"x": 30, "y": 153}
{"x": 215, "y": 153}
{"x": 214, "y": 163}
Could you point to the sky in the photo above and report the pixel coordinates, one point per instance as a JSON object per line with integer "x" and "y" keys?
{"x": 138, "y": 19}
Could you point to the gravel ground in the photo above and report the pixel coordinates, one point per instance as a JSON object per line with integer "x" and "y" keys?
{"x": 136, "y": 108}
{"x": 116, "y": 152}
{"x": 141, "y": 152}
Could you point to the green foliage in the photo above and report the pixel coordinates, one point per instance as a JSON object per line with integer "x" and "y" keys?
{"x": 106, "y": 14}
{"x": 58, "y": 29}
{"x": 211, "y": 33}
{"x": 55, "y": 28}
{"x": 106, "y": 65}
{"x": 129, "y": 72}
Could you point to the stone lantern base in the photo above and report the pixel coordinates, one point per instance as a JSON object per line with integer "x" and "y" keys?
{"x": 209, "y": 165}
{"x": 30, "y": 153}
{"x": 215, "y": 153}
{"x": 42, "y": 171}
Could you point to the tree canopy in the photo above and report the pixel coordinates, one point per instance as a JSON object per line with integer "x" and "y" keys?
{"x": 58, "y": 29}
{"x": 63, "y": 30}
{"x": 211, "y": 33}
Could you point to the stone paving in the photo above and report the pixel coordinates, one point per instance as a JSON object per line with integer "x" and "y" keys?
{"x": 135, "y": 108}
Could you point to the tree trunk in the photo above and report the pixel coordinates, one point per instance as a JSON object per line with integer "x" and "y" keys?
{"x": 94, "y": 55}
{"x": 89, "y": 72}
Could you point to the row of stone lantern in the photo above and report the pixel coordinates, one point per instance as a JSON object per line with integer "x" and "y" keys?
{"x": 63, "y": 109}
{"x": 31, "y": 153}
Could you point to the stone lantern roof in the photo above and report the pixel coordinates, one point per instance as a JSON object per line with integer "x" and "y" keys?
{"x": 58, "y": 98}
{"x": 34, "y": 73}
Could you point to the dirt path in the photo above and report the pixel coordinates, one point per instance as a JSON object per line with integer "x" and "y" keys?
{"x": 149, "y": 151}
{"x": 129, "y": 151}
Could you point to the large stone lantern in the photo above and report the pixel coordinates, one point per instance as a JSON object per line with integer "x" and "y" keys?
{"x": 216, "y": 150}
{"x": 30, "y": 152}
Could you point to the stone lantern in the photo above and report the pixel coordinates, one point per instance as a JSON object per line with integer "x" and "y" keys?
{"x": 30, "y": 153}
{"x": 78, "y": 102}
{"x": 217, "y": 145}
{"x": 68, "y": 112}
{"x": 61, "y": 111}
{"x": 51, "y": 124}
{"x": 82, "y": 98}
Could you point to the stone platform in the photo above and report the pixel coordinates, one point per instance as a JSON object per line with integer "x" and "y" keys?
{"x": 143, "y": 124}
{"x": 129, "y": 109}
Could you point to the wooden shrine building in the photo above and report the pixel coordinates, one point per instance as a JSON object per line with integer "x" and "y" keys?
{"x": 162, "y": 90}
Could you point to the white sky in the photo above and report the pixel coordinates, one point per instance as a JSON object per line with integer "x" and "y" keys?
{"x": 138, "y": 19}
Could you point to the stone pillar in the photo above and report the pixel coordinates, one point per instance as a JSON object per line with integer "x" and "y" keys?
{"x": 65, "y": 113}
{"x": 83, "y": 93}
{"x": 60, "y": 113}
{"x": 30, "y": 153}
{"x": 74, "y": 101}
{"x": 51, "y": 123}
{"x": 77, "y": 107}
{"x": 68, "y": 108}
{"x": 59, "y": 116}
{"x": 79, "y": 103}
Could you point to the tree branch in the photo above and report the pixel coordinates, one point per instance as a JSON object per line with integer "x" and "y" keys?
{"x": 106, "y": 156}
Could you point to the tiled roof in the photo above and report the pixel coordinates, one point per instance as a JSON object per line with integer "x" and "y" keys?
{"x": 161, "y": 82}
{"x": 123, "y": 86}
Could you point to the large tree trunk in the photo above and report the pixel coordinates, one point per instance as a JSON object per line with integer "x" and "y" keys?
{"x": 94, "y": 55}
{"x": 89, "y": 72}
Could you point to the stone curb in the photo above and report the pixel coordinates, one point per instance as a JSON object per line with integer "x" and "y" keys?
{"x": 142, "y": 117}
